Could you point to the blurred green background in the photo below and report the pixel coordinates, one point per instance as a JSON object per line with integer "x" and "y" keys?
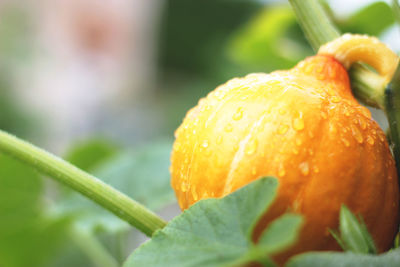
{"x": 106, "y": 84}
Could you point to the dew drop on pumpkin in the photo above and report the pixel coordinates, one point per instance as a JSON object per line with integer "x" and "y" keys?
{"x": 316, "y": 169}
{"x": 304, "y": 168}
{"x": 281, "y": 171}
{"x": 357, "y": 134}
{"x": 370, "y": 140}
{"x": 283, "y": 128}
{"x": 219, "y": 139}
{"x": 205, "y": 144}
{"x": 345, "y": 142}
{"x": 194, "y": 193}
{"x": 228, "y": 128}
{"x": 251, "y": 147}
{"x": 183, "y": 187}
{"x": 238, "y": 115}
{"x": 298, "y": 124}
{"x": 299, "y": 141}
{"x": 335, "y": 99}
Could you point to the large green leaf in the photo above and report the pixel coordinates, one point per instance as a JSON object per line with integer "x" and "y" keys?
{"x": 217, "y": 232}
{"x": 27, "y": 236}
{"x": 141, "y": 174}
{"x": 347, "y": 259}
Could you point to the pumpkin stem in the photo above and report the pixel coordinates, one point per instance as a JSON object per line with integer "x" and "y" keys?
{"x": 350, "y": 48}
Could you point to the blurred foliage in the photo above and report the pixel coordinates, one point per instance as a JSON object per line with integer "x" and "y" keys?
{"x": 28, "y": 237}
{"x": 131, "y": 172}
{"x": 194, "y": 33}
{"x": 373, "y": 19}
{"x": 87, "y": 155}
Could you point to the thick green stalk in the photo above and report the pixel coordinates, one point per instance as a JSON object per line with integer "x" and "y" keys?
{"x": 392, "y": 109}
{"x": 106, "y": 196}
{"x": 319, "y": 29}
{"x": 315, "y": 23}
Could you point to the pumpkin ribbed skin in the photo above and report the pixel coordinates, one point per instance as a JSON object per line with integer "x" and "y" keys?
{"x": 304, "y": 127}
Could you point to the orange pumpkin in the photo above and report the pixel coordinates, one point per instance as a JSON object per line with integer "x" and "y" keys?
{"x": 304, "y": 127}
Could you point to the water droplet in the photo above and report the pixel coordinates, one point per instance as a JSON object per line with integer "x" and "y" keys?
{"x": 281, "y": 171}
{"x": 236, "y": 147}
{"x": 381, "y": 137}
{"x": 184, "y": 187}
{"x": 186, "y": 161}
{"x": 335, "y": 99}
{"x": 238, "y": 115}
{"x": 346, "y": 111}
{"x": 194, "y": 193}
{"x": 298, "y": 124}
{"x": 228, "y": 128}
{"x": 370, "y": 140}
{"x": 251, "y": 147}
{"x": 345, "y": 142}
{"x": 205, "y": 144}
{"x": 304, "y": 168}
{"x": 316, "y": 169}
{"x": 283, "y": 128}
{"x": 299, "y": 141}
{"x": 219, "y": 139}
{"x": 357, "y": 134}
{"x": 362, "y": 122}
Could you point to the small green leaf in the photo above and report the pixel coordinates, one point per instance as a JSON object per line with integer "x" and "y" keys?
{"x": 354, "y": 234}
{"x": 345, "y": 259}
{"x": 215, "y": 232}
{"x": 281, "y": 233}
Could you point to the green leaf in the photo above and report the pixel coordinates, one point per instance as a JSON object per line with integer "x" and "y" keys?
{"x": 346, "y": 259}
{"x": 371, "y": 20}
{"x": 27, "y": 236}
{"x": 354, "y": 235}
{"x": 87, "y": 155}
{"x": 214, "y": 232}
{"x": 141, "y": 174}
{"x": 281, "y": 233}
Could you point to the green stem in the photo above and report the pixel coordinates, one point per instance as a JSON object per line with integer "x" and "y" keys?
{"x": 314, "y": 21}
{"x": 106, "y": 196}
{"x": 392, "y": 109}
{"x": 318, "y": 28}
